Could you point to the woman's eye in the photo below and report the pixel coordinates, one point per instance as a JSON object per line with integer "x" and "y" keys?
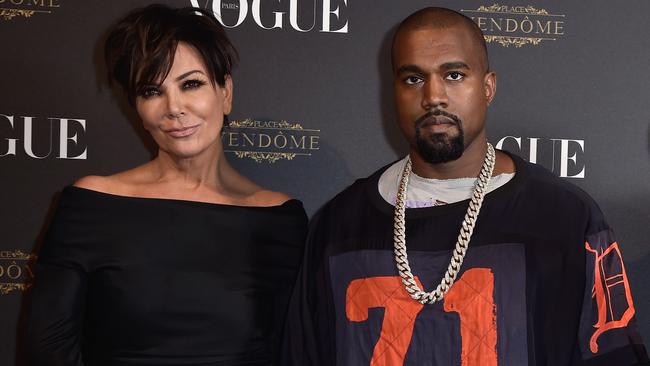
{"x": 411, "y": 80}
{"x": 193, "y": 84}
{"x": 149, "y": 91}
{"x": 455, "y": 76}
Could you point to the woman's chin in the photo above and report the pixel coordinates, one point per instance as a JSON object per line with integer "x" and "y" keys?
{"x": 184, "y": 152}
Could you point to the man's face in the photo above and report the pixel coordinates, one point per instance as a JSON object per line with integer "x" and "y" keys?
{"x": 442, "y": 91}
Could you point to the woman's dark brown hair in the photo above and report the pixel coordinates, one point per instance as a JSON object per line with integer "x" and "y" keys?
{"x": 140, "y": 48}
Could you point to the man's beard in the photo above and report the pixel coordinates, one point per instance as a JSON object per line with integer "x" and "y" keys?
{"x": 439, "y": 147}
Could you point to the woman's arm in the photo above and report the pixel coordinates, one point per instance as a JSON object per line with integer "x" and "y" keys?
{"x": 56, "y": 311}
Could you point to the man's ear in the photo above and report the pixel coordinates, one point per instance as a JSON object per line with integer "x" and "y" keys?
{"x": 490, "y": 86}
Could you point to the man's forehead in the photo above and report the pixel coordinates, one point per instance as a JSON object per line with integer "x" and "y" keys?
{"x": 454, "y": 42}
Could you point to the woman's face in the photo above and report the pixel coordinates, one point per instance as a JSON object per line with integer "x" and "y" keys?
{"x": 184, "y": 113}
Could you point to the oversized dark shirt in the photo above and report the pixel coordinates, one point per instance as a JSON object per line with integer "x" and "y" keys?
{"x": 543, "y": 283}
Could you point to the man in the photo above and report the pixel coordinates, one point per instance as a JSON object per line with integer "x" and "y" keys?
{"x": 521, "y": 267}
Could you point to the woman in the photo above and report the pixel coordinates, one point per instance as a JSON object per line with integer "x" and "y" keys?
{"x": 182, "y": 260}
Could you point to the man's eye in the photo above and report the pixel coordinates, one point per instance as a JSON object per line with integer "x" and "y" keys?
{"x": 455, "y": 76}
{"x": 412, "y": 80}
{"x": 193, "y": 84}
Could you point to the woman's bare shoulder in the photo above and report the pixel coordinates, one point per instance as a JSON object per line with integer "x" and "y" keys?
{"x": 94, "y": 183}
{"x": 114, "y": 184}
{"x": 251, "y": 194}
{"x": 264, "y": 197}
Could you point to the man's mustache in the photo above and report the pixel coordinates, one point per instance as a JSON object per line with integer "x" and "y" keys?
{"x": 435, "y": 113}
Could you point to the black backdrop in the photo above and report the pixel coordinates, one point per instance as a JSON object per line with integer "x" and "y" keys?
{"x": 313, "y": 107}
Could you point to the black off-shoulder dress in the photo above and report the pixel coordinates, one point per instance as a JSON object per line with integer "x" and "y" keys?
{"x": 138, "y": 281}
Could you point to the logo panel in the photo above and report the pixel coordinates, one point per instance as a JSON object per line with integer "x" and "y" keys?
{"x": 269, "y": 141}
{"x": 327, "y": 16}
{"x": 564, "y": 157}
{"x": 15, "y": 270}
{"x": 10, "y": 9}
{"x": 41, "y": 138}
{"x": 517, "y": 26}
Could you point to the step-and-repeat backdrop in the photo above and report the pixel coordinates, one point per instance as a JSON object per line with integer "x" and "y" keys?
{"x": 313, "y": 108}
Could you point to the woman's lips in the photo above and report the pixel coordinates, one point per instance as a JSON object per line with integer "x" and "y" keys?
{"x": 182, "y": 132}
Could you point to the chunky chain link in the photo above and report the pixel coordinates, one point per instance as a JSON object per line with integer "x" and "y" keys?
{"x": 462, "y": 243}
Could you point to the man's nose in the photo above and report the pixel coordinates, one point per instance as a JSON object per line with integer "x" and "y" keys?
{"x": 434, "y": 94}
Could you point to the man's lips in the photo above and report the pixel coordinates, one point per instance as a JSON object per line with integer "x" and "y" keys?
{"x": 436, "y": 121}
{"x": 182, "y": 132}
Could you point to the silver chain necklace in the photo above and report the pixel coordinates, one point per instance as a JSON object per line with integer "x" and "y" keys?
{"x": 462, "y": 243}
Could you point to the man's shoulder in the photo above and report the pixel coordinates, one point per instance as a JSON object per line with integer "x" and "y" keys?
{"x": 546, "y": 188}
{"x": 357, "y": 195}
{"x": 544, "y": 181}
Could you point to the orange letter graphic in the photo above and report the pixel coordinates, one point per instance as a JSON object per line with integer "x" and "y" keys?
{"x": 472, "y": 297}
{"x": 399, "y": 315}
{"x": 606, "y": 276}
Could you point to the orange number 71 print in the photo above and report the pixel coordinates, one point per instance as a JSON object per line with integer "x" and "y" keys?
{"x": 472, "y": 297}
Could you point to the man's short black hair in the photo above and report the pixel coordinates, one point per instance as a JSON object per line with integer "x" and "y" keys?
{"x": 438, "y": 18}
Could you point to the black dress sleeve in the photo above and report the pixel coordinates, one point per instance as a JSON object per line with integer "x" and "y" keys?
{"x": 56, "y": 312}
{"x": 309, "y": 336}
